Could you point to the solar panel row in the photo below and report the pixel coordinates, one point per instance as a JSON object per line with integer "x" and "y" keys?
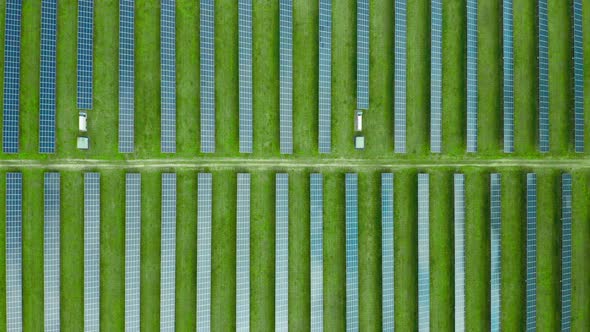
{"x": 459, "y": 230}
{"x": 543, "y": 77}
{"x": 423, "y": 252}
{"x": 132, "y": 251}
{"x": 91, "y": 252}
{"x": 168, "y": 253}
{"x": 10, "y": 131}
{"x": 472, "y": 75}
{"x": 14, "y": 252}
{"x": 126, "y": 75}
{"x": 47, "y": 88}
{"x": 282, "y": 252}
{"x": 245, "y": 79}
{"x": 400, "y": 77}
{"x": 325, "y": 77}
{"x": 204, "y": 206}
{"x": 436, "y": 76}
{"x": 531, "y": 252}
{"x": 352, "y": 269}
{"x": 387, "y": 251}
{"x": 286, "y": 76}
{"x": 508, "y": 56}
{"x": 362, "y": 54}
{"x": 168, "y": 72}
{"x": 51, "y": 252}
{"x": 85, "y": 53}
{"x": 495, "y": 252}
{"x": 578, "y": 75}
{"x": 316, "y": 195}
{"x": 243, "y": 253}
{"x": 207, "y": 75}
{"x": 566, "y": 252}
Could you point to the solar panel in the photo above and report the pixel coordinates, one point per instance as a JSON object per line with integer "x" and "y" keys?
{"x": 10, "y": 132}
{"x": 495, "y": 252}
{"x": 578, "y": 75}
{"x": 14, "y": 252}
{"x": 436, "y": 13}
{"x": 400, "y": 77}
{"x": 243, "y": 254}
{"x": 531, "y": 252}
{"x": 508, "y": 56}
{"x": 168, "y": 254}
{"x": 286, "y": 76}
{"x": 387, "y": 251}
{"x": 543, "y": 77}
{"x": 47, "y": 79}
{"x": 126, "y": 76}
{"x": 51, "y": 252}
{"x": 245, "y": 63}
{"x": 132, "y": 251}
{"x": 204, "y": 202}
{"x": 472, "y": 75}
{"x": 352, "y": 270}
{"x": 362, "y": 54}
{"x": 316, "y": 194}
{"x": 207, "y": 46}
{"x": 85, "y": 55}
{"x": 325, "y": 77}
{"x": 566, "y": 252}
{"x": 168, "y": 74}
{"x": 423, "y": 253}
{"x": 91, "y": 252}
{"x": 459, "y": 227}
{"x": 282, "y": 252}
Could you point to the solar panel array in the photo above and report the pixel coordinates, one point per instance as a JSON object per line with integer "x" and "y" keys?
{"x": 243, "y": 254}
{"x": 436, "y": 13}
{"x": 472, "y": 75}
{"x": 47, "y": 88}
{"x": 286, "y": 76}
{"x": 14, "y": 252}
{"x": 352, "y": 269}
{"x": 400, "y": 77}
{"x": 423, "y": 253}
{"x": 325, "y": 77}
{"x": 168, "y": 72}
{"x": 531, "y": 252}
{"x": 245, "y": 63}
{"x": 51, "y": 256}
{"x": 508, "y": 56}
{"x": 168, "y": 253}
{"x": 204, "y": 204}
{"x": 495, "y": 252}
{"x": 85, "y": 53}
{"x": 126, "y": 76}
{"x": 207, "y": 52}
{"x": 132, "y": 251}
{"x": 91, "y": 252}
{"x": 387, "y": 251}
{"x": 578, "y": 75}
{"x": 316, "y": 189}
{"x": 10, "y": 132}
{"x": 566, "y": 252}
{"x": 543, "y": 77}
{"x": 459, "y": 227}
{"x": 282, "y": 252}
{"x": 362, "y": 54}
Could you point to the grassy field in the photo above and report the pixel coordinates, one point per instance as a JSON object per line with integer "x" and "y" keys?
{"x": 379, "y": 121}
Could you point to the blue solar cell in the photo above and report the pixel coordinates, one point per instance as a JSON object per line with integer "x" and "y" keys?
{"x": 168, "y": 253}
{"x": 14, "y": 252}
{"x": 168, "y": 73}
{"x": 352, "y": 269}
{"x": 126, "y": 75}
{"x": 51, "y": 251}
{"x": 400, "y": 77}
{"x": 508, "y": 56}
{"x": 543, "y": 77}
{"x": 245, "y": 64}
{"x": 85, "y": 53}
{"x": 362, "y": 54}
{"x": 531, "y": 253}
{"x": 10, "y": 130}
{"x": 204, "y": 206}
{"x": 566, "y": 252}
{"x": 286, "y": 76}
{"x": 472, "y": 76}
{"x": 578, "y": 75}
{"x": 317, "y": 251}
{"x": 387, "y": 251}
{"x": 132, "y": 251}
{"x": 459, "y": 228}
{"x": 436, "y": 76}
{"x": 282, "y": 252}
{"x": 207, "y": 75}
{"x": 423, "y": 252}
{"x": 47, "y": 79}
{"x": 495, "y": 252}
{"x": 243, "y": 253}
{"x": 91, "y": 252}
{"x": 325, "y": 77}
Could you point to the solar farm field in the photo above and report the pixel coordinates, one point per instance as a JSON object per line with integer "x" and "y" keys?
{"x": 193, "y": 235}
